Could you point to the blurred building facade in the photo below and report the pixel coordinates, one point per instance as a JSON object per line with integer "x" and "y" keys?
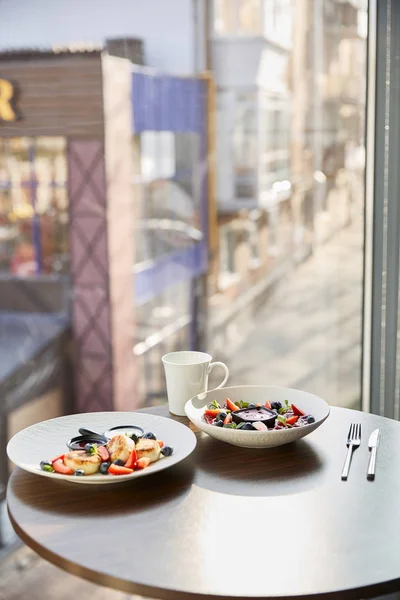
{"x": 285, "y": 118}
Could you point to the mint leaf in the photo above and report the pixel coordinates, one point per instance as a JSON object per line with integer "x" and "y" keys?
{"x": 214, "y": 405}
{"x": 287, "y": 404}
{"x": 281, "y": 420}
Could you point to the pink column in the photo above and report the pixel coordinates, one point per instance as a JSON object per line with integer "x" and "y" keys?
{"x": 89, "y": 273}
{"x": 102, "y": 216}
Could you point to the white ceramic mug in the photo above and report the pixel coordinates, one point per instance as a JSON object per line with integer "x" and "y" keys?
{"x": 187, "y": 374}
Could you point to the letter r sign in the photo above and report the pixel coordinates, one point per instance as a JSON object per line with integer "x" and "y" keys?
{"x": 8, "y": 112}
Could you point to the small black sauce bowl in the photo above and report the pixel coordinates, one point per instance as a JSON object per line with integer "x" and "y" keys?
{"x": 261, "y": 413}
{"x": 79, "y": 442}
{"x": 122, "y": 428}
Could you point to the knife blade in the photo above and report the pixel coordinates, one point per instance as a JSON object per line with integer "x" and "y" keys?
{"x": 373, "y": 443}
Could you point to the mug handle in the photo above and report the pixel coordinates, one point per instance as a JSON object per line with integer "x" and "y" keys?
{"x": 223, "y": 365}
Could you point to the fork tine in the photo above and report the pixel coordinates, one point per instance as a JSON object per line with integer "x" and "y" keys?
{"x": 349, "y": 435}
{"x": 359, "y": 431}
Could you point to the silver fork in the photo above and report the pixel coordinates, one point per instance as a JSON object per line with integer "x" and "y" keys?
{"x": 353, "y": 442}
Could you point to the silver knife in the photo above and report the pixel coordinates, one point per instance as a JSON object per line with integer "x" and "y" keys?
{"x": 373, "y": 443}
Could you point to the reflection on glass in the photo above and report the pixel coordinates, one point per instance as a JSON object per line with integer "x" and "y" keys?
{"x": 33, "y": 205}
{"x": 168, "y": 189}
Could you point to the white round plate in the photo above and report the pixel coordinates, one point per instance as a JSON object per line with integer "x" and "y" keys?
{"x": 48, "y": 439}
{"x": 259, "y": 394}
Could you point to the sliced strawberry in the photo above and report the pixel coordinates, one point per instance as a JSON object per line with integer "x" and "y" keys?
{"x": 292, "y": 420}
{"x": 228, "y": 419}
{"x": 213, "y": 412}
{"x": 117, "y": 470}
{"x": 259, "y": 426}
{"x": 208, "y": 419}
{"x": 59, "y": 467}
{"x": 160, "y": 443}
{"x": 268, "y": 405}
{"x": 130, "y": 463}
{"x": 297, "y": 411}
{"x": 60, "y": 457}
{"x": 142, "y": 463}
{"x": 103, "y": 453}
{"x": 231, "y": 405}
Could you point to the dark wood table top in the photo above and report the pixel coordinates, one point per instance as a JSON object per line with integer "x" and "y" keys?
{"x": 231, "y": 522}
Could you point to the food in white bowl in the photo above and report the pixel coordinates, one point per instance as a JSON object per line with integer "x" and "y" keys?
{"x": 284, "y": 415}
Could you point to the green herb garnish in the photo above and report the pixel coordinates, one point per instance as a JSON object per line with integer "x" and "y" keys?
{"x": 214, "y": 405}
{"x": 242, "y": 404}
{"x": 281, "y": 420}
{"x": 230, "y": 426}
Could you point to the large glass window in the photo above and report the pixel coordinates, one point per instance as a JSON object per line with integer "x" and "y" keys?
{"x": 33, "y": 206}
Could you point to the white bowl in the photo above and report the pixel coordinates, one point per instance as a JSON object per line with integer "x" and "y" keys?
{"x": 259, "y": 394}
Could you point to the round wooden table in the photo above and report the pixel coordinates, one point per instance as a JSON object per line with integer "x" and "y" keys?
{"x": 231, "y": 522}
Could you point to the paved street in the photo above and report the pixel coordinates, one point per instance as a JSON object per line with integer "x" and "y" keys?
{"x": 308, "y": 333}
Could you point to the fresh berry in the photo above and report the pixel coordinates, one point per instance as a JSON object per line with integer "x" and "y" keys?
{"x": 79, "y": 473}
{"x": 252, "y": 405}
{"x": 167, "y": 451}
{"x": 103, "y": 453}
{"x": 297, "y": 411}
{"x": 118, "y": 462}
{"x": 119, "y": 470}
{"x": 104, "y": 468}
{"x": 91, "y": 449}
{"x": 310, "y": 419}
{"x": 221, "y": 416}
{"x": 142, "y": 463}
{"x": 228, "y": 419}
{"x": 292, "y": 420}
{"x": 248, "y": 427}
{"x": 231, "y": 405}
{"x": 218, "y": 423}
{"x": 276, "y": 405}
{"x": 59, "y": 467}
{"x": 260, "y": 426}
{"x": 149, "y": 436}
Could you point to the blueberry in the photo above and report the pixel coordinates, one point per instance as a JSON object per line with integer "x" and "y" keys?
{"x": 79, "y": 473}
{"x": 166, "y": 450}
{"x": 248, "y": 427}
{"x": 252, "y": 405}
{"x": 310, "y": 419}
{"x": 221, "y": 416}
{"x": 104, "y": 468}
{"x": 118, "y": 462}
{"x": 149, "y": 436}
{"x": 276, "y": 405}
{"x": 219, "y": 423}
{"x": 91, "y": 448}
{"x": 45, "y": 465}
